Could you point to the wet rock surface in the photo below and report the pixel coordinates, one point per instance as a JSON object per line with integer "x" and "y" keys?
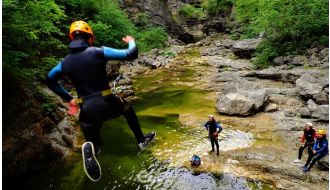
{"x": 242, "y": 98}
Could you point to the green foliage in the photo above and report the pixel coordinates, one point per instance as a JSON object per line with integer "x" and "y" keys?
{"x": 27, "y": 32}
{"x": 80, "y": 9}
{"x": 110, "y": 14}
{"x": 264, "y": 54}
{"x": 215, "y": 7}
{"x": 190, "y": 12}
{"x": 290, "y": 26}
{"x": 142, "y": 20}
{"x": 35, "y": 32}
{"x": 152, "y": 38}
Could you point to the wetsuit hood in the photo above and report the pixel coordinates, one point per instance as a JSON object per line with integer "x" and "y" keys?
{"x": 78, "y": 45}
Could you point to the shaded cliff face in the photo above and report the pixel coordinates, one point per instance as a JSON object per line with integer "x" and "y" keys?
{"x": 158, "y": 11}
{"x": 166, "y": 13}
{"x": 35, "y": 131}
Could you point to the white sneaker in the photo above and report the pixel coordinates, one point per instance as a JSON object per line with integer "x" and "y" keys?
{"x": 297, "y": 161}
{"x": 91, "y": 165}
{"x": 148, "y": 139}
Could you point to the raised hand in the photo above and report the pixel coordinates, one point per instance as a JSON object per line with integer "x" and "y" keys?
{"x": 127, "y": 39}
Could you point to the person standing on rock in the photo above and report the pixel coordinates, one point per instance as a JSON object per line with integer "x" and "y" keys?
{"x": 85, "y": 65}
{"x": 213, "y": 129}
{"x": 307, "y": 141}
{"x": 320, "y": 150}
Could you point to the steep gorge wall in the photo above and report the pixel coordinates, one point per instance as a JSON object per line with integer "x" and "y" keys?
{"x": 165, "y": 13}
{"x": 158, "y": 11}
{"x": 36, "y": 130}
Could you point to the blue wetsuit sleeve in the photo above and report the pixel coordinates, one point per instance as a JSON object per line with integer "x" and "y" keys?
{"x": 206, "y": 126}
{"x": 323, "y": 148}
{"x": 121, "y": 54}
{"x": 52, "y": 82}
{"x": 219, "y": 127}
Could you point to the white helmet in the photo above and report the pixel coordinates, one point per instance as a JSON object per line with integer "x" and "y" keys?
{"x": 309, "y": 124}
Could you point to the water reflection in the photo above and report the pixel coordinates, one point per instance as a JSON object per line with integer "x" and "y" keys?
{"x": 161, "y": 176}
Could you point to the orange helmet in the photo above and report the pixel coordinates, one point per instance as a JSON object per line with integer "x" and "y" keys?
{"x": 83, "y": 27}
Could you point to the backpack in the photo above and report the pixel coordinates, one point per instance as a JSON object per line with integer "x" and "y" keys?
{"x": 195, "y": 160}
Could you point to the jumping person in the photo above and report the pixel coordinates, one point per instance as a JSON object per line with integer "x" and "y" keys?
{"x": 320, "y": 150}
{"x": 213, "y": 129}
{"x": 86, "y": 67}
{"x": 307, "y": 141}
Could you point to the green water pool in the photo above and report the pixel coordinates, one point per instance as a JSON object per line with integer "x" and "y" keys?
{"x": 169, "y": 103}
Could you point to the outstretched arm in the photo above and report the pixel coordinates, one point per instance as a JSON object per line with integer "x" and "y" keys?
{"x": 52, "y": 82}
{"x": 122, "y": 54}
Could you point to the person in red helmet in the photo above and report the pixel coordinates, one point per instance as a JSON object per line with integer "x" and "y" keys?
{"x": 320, "y": 150}
{"x": 85, "y": 65}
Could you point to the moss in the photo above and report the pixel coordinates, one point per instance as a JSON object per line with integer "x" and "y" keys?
{"x": 306, "y": 66}
{"x": 233, "y": 56}
{"x": 193, "y": 53}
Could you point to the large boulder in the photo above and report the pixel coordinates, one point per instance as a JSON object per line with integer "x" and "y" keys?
{"x": 313, "y": 86}
{"x": 298, "y": 60}
{"x": 313, "y": 111}
{"x": 245, "y": 48}
{"x": 318, "y": 57}
{"x": 320, "y": 112}
{"x": 242, "y": 98}
{"x": 282, "y": 60}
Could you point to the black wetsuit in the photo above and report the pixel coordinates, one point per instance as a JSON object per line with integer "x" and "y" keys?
{"x": 309, "y": 142}
{"x": 86, "y": 67}
{"x": 212, "y": 127}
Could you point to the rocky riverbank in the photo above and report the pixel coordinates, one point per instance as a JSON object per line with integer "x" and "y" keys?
{"x": 273, "y": 104}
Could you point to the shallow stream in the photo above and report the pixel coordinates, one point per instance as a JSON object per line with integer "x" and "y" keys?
{"x": 170, "y": 103}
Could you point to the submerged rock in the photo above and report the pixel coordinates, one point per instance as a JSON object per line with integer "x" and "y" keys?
{"x": 241, "y": 98}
